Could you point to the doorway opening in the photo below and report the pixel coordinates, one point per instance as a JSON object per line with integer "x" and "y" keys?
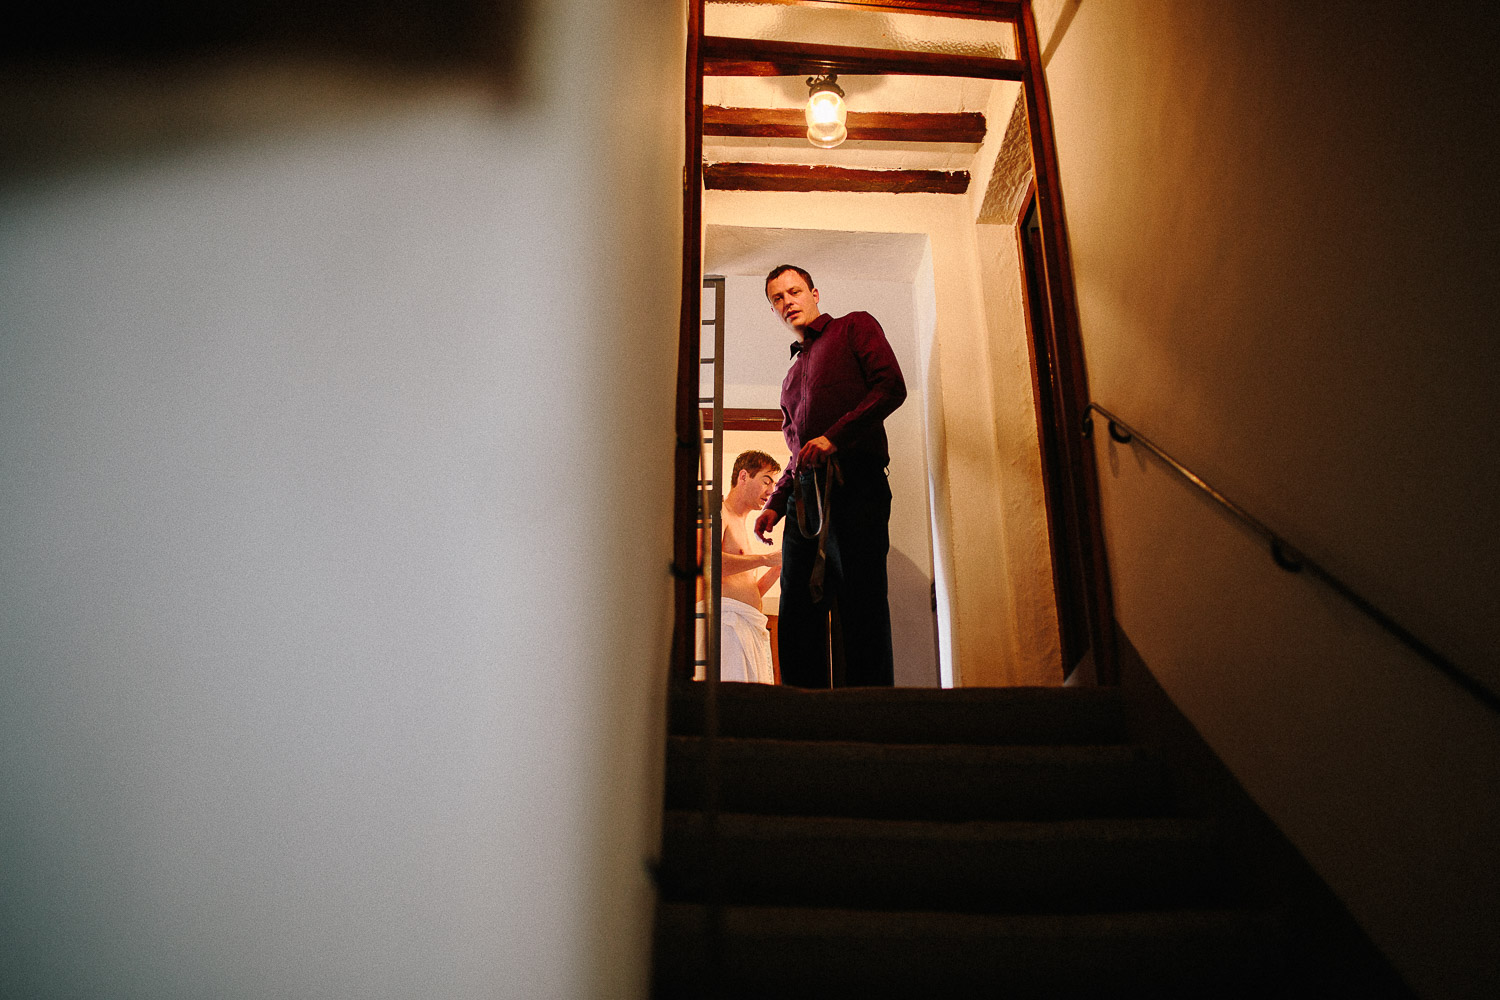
{"x": 959, "y": 452}
{"x": 883, "y": 274}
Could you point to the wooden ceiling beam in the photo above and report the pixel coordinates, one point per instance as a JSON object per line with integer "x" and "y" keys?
{"x": 978, "y": 10}
{"x": 724, "y": 56}
{"x": 800, "y": 177}
{"x": 890, "y": 126}
{"x": 745, "y": 419}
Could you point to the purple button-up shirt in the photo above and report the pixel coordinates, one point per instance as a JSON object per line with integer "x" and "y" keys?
{"x": 843, "y": 383}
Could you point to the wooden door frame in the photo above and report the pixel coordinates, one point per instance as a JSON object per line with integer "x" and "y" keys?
{"x": 753, "y": 57}
{"x": 687, "y": 556}
{"x": 1066, "y": 348}
{"x": 1043, "y": 389}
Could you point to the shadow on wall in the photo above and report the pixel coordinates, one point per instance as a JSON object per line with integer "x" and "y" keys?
{"x": 913, "y": 621}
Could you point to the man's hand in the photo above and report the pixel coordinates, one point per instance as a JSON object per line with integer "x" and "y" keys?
{"x": 772, "y": 558}
{"x": 815, "y": 453}
{"x": 764, "y": 524}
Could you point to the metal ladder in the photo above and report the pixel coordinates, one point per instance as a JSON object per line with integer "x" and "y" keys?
{"x": 711, "y": 486}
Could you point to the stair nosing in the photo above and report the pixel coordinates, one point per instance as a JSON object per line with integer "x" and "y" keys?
{"x": 840, "y": 920}
{"x": 772, "y": 826}
{"x": 1121, "y": 748}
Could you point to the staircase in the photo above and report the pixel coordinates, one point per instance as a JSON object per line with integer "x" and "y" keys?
{"x": 921, "y": 843}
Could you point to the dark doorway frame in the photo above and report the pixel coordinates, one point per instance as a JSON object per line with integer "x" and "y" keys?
{"x": 1082, "y": 530}
{"x": 1060, "y": 464}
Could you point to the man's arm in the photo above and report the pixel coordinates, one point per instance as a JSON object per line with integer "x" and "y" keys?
{"x": 765, "y": 522}
{"x": 887, "y": 389}
{"x": 768, "y": 579}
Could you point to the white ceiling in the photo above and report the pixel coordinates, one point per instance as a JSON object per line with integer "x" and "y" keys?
{"x": 857, "y": 256}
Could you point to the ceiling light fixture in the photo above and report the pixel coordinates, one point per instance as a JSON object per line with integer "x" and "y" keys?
{"x": 825, "y": 111}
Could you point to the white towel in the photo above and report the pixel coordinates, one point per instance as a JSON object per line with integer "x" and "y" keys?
{"x": 744, "y": 645}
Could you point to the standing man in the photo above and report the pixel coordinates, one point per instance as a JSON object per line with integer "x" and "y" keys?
{"x": 843, "y": 383}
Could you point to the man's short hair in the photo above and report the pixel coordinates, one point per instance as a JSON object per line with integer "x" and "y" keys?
{"x": 752, "y": 462}
{"x": 781, "y": 269}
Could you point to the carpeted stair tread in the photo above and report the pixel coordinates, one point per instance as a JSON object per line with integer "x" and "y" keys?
{"x": 802, "y": 952}
{"x": 1066, "y": 866}
{"x": 908, "y": 715}
{"x": 944, "y": 782}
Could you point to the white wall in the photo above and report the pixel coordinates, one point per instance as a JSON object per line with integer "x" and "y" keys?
{"x": 1282, "y": 223}
{"x": 929, "y": 372}
{"x": 328, "y": 669}
{"x": 756, "y": 346}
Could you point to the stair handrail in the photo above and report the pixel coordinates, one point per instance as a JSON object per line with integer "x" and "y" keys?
{"x": 1294, "y": 560}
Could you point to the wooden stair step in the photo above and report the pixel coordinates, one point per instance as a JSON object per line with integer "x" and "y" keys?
{"x": 832, "y": 953}
{"x": 882, "y": 781}
{"x": 1013, "y": 716}
{"x": 1018, "y": 867}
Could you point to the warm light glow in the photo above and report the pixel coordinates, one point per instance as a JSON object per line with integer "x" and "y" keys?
{"x": 828, "y": 138}
{"x": 824, "y": 108}
{"x": 825, "y": 113}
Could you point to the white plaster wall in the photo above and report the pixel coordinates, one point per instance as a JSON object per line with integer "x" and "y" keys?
{"x": 984, "y": 565}
{"x": 328, "y": 668}
{"x": 997, "y": 111}
{"x": 757, "y": 342}
{"x": 1283, "y": 235}
{"x": 924, "y": 305}
{"x": 755, "y": 356}
{"x": 1022, "y": 499}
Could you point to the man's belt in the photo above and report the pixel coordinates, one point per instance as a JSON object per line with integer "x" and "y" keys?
{"x": 814, "y": 499}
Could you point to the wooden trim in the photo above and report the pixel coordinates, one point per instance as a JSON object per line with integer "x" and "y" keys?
{"x": 1041, "y": 392}
{"x": 1067, "y": 347}
{"x": 688, "y": 453}
{"x": 765, "y": 57}
{"x": 1060, "y": 464}
{"x": 977, "y": 10}
{"x": 747, "y": 420}
{"x": 800, "y": 177}
{"x": 892, "y": 126}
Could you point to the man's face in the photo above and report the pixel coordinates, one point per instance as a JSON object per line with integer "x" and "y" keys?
{"x": 794, "y": 302}
{"x": 756, "y": 488}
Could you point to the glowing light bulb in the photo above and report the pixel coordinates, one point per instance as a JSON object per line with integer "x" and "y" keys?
{"x": 825, "y": 113}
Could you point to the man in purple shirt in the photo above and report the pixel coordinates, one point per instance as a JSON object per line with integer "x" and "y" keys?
{"x": 842, "y": 384}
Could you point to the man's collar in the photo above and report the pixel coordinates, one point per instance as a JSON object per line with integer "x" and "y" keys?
{"x": 810, "y": 332}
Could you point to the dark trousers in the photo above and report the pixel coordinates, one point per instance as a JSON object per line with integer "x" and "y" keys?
{"x": 854, "y": 589}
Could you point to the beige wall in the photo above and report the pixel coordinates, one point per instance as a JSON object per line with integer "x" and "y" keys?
{"x": 329, "y": 667}
{"x": 1022, "y": 502}
{"x": 990, "y": 576}
{"x": 1282, "y": 219}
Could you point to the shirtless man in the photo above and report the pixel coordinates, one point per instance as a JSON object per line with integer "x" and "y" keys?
{"x": 744, "y": 643}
